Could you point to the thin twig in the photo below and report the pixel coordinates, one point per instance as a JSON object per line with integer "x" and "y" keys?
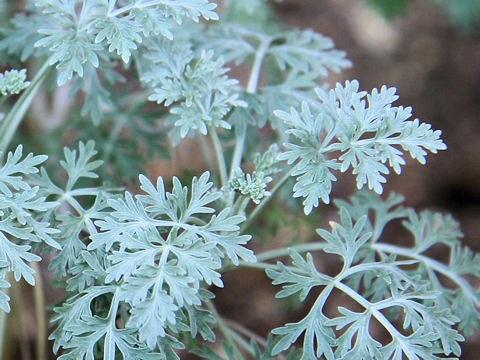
{"x": 40, "y": 312}
{"x": 217, "y": 145}
{"x": 249, "y": 334}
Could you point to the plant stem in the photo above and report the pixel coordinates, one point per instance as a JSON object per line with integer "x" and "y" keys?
{"x": 382, "y": 319}
{"x": 205, "y": 150}
{"x": 256, "y": 265}
{"x": 257, "y": 65}
{"x": 229, "y": 334}
{"x": 240, "y": 341}
{"x": 109, "y": 348}
{"x": 301, "y": 248}
{"x": 241, "y": 134}
{"x": 112, "y": 138}
{"x": 11, "y": 122}
{"x": 431, "y": 263}
{"x": 3, "y": 316}
{"x": 128, "y": 8}
{"x": 39, "y": 299}
{"x": 241, "y": 131}
{"x": 240, "y": 205}
{"x": 3, "y": 324}
{"x": 219, "y": 154}
{"x": 221, "y": 323}
{"x": 265, "y": 201}
{"x": 245, "y": 331}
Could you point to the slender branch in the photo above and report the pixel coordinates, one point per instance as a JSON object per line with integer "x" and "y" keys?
{"x": 250, "y": 334}
{"x": 237, "y": 338}
{"x": 382, "y": 319}
{"x": 41, "y": 318}
{"x": 221, "y": 323}
{"x": 240, "y": 136}
{"x": 265, "y": 201}
{"x": 3, "y": 316}
{"x": 109, "y": 348}
{"x": 11, "y": 122}
{"x": 257, "y": 64}
{"x": 301, "y": 248}
{"x": 229, "y": 334}
{"x": 219, "y": 154}
{"x": 241, "y": 132}
{"x": 254, "y": 265}
{"x": 127, "y": 8}
{"x": 242, "y": 205}
{"x": 205, "y": 150}
{"x": 246, "y": 332}
{"x": 433, "y": 264}
{"x": 112, "y": 138}
{"x": 236, "y": 205}
{"x": 3, "y": 324}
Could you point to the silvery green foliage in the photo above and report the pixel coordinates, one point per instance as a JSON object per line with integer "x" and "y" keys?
{"x": 82, "y": 30}
{"x": 21, "y": 209}
{"x": 368, "y": 132}
{"x": 198, "y": 87}
{"x": 137, "y": 268}
{"x": 254, "y": 185}
{"x": 298, "y": 58}
{"x": 13, "y": 81}
{"x": 85, "y": 38}
{"x": 21, "y": 36}
{"x": 143, "y": 259}
{"x": 428, "y": 230}
{"x": 70, "y": 215}
{"x": 390, "y": 283}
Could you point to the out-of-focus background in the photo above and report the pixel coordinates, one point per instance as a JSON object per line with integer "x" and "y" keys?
{"x": 430, "y": 51}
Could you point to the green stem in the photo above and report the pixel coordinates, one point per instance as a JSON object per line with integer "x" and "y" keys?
{"x": 301, "y": 248}
{"x": 246, "y": 332}
{"x": 240, "y": 136}
{"x": 112, "y": 138}
{"x": 3, "y": 324}
{"x": 128, "y": 8}
{"x": 109, "y": 346}
{"x": 11, "y": 122}
{"x": 40, "y": 315}
{"x": 382, "y": 319}
{"x": 239, "y": 328}
{"x": 221, "y": 323}
{"x": 229, "y": 334}
{"x": 3, "y": 317}
{"x": 265, "y": 201}
{"x": 251, "y": 89}
{"x": 236, "y": 205}
{"x": 431, "y": 263}
{"x": 240, "y": 341}
{"x": 243, "y": 205}
{"x": 253, "y": 265}
{"x": 205, "y": 150}
{"x": 241, "y": 133}
{"x": 219, "y": 155}
{"x": 257, "y": 65}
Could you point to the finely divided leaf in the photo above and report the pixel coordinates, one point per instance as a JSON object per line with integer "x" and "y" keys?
{"x": 347, "y": 129}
